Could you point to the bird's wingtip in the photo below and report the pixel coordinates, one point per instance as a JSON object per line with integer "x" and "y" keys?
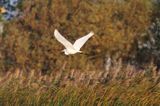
{"x": 92, "y": 33}
{"x": 55, "y": 30}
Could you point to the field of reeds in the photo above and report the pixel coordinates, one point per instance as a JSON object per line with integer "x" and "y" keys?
{"x": 120, "y": 68}
{"x": 119, "y": 86}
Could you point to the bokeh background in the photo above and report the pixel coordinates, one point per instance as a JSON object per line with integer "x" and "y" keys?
{"x": 123, "y": 29}
{"x": 120, "y": 64}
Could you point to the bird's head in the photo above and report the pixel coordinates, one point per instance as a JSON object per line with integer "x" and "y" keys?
{"x": 80, "y": 52}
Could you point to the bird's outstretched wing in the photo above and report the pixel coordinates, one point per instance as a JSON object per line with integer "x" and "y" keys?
{"x": 62, "y": 40}
{"x": 81, "y": 41}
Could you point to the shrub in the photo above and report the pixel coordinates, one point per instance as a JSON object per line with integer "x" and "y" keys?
{"x": 148, "y": 45}
{"x": 29, "y": 43}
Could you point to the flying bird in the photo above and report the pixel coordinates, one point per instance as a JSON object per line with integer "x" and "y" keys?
{"x": 72, "y": 48}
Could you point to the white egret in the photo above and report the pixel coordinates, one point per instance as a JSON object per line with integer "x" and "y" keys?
{"x": 72, "y": 48}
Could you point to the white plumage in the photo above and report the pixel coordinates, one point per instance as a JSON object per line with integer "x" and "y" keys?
{"x": 72, "y": 48}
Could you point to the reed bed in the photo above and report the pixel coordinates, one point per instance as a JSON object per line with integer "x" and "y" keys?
{"x": 121, "y": 85}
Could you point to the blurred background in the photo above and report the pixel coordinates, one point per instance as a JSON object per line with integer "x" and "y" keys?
{"x": 124, "y": 29}
{"x": 119, "y": 67}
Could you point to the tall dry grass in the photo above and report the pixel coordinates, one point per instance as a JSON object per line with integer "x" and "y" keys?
{"x": 121, "y": 85}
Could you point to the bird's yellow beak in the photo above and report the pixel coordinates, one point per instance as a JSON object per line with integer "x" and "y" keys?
{"x": 2, "y": 10}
